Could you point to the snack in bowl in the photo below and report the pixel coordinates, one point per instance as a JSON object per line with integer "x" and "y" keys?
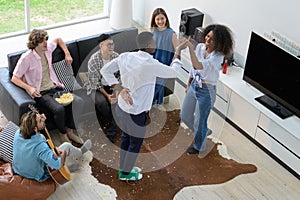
{"x": 65, "y": 99}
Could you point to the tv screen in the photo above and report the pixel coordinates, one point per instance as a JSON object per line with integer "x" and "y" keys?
{"x": 276, "y": 73}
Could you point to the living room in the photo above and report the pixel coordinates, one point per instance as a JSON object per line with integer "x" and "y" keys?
{"x": 242, "y": 17}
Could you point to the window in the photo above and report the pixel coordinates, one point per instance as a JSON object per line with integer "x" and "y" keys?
{"x": 11, "y": 16}
{"x": 21, "y": 16}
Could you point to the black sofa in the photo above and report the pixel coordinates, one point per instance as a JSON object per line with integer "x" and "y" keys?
{"x": 14, "y": 100}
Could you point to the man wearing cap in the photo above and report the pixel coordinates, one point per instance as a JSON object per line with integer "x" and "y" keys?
{"x": 97, "y": 87}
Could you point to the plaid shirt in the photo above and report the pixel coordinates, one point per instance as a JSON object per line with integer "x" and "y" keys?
{"x": 95, "y": 79}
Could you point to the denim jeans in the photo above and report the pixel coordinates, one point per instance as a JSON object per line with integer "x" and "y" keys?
{"x": 195, "y": 110}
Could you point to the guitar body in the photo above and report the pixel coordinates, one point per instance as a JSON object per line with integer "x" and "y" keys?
{"x": 60, "y": 176}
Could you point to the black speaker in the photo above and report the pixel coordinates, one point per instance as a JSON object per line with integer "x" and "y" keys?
{"x": 190, "y": 19}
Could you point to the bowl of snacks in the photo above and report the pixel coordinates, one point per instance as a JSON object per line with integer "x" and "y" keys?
{"x": 64, "y": 98}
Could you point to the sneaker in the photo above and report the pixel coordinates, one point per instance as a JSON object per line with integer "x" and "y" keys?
{"x": 192, "y": 150}
{"x": 132, "y": 176}
{"x": 136, "y": 169}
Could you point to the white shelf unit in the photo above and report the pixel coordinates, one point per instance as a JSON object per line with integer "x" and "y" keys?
{"x": 281, "y": 137}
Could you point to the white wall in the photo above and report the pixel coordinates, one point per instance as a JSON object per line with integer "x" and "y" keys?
{"x": 261, "y": 16}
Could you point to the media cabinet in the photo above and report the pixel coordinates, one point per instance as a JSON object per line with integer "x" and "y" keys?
{"x": 279, "y": 138}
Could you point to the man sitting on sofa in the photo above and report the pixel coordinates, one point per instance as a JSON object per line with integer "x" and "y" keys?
{"x": 35, "y": 74}
{"x": 97, "y": 87}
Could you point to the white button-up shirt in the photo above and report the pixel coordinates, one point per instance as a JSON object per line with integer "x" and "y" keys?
{"x": 138, "y": 71}
{"x": 212, "y": 65}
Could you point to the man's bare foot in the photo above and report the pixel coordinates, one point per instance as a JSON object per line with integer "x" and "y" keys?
{"x": 72, "y": 136}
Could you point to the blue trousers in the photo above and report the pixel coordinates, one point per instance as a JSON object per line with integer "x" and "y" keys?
{"x": 133, "y": 132}
{"x": 195, "y": 110}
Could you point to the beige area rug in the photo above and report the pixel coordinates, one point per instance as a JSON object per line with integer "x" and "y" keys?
{"x": 83, "y": 185}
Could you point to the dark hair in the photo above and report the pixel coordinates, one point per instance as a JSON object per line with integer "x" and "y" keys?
{"x": 143, "y": 40}
{"x": 156, "y": 12}
{"x": 35, "y": 37}
{"x": 28, "y": 124}
{"x": 103, "y": 37}
{"x": 222, "y": 37}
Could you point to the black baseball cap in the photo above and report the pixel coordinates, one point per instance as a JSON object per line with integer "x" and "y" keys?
{"x": 103, "y": 37}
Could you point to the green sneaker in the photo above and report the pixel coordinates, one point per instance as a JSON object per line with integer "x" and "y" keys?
{"x": 132, "y": 176}
{"x": 134, "y": 170}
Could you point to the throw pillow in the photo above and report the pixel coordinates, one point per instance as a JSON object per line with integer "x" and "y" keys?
{"x": 6, "y": 141}
{"x": 65, "y": 75}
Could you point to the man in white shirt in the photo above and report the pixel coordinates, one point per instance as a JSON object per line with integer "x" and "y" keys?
{"x": 138, "y": 71}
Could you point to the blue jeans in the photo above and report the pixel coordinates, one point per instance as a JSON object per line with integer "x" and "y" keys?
{"x": 195, "y": 110}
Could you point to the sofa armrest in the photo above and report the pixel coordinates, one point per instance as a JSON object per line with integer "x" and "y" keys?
{"x": 14, "y": 100}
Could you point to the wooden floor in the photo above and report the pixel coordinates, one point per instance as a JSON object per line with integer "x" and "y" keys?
{"x": 271, "y": 181}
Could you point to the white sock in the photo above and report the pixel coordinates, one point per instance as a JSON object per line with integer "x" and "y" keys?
{"x": 87, "y": 145}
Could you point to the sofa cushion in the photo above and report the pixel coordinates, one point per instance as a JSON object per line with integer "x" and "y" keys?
{"x": 86, "y": 47}
{"x": 6, "y": 141}
{"x": 65, "y": 75}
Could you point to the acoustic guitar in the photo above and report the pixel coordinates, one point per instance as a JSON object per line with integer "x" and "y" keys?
{"x": 62, "y": 175}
